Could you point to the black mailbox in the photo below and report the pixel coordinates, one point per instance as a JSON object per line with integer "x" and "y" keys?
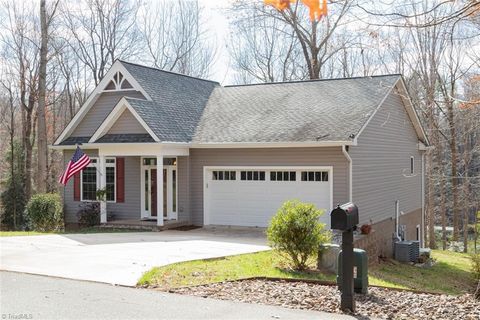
{"x": 344, "y": 217}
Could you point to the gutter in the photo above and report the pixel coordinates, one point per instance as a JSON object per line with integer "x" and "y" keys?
{"x": 226, "y": 145}
{"x": 349, "y": 159}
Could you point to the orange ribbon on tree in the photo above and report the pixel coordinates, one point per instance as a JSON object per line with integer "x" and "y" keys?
{"x": 318, "y": 8}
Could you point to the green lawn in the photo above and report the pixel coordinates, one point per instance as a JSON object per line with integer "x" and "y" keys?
{"x": 83, "y": 230}
{"x": 450, "y": 275}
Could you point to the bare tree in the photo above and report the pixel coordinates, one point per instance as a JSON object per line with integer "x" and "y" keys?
{"x": 264, "y": 49}
{"x": 42, "y": 151}
{"x": 313, "y": 37}
{"x": 176, "y": 38}
{"x": 20, "y": 41}
{"x": 101, "y": 31}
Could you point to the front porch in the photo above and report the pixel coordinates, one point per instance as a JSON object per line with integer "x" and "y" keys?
{"x": 151, "y": 182}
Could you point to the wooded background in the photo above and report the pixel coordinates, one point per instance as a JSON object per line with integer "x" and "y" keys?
{"x": 53, "y": 53}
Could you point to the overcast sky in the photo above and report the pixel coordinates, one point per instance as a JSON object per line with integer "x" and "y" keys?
{"x": 219, "y": 28}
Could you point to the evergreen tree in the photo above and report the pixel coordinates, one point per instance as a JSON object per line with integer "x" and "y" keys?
{"x": 13, "y": 198}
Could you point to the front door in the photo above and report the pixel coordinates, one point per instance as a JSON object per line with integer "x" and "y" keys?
{"x": 149, "y": 191}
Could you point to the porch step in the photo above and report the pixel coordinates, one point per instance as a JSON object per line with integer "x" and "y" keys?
{"x": 144, "y": 225}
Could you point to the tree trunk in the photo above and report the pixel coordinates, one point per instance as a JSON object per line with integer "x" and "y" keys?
{"x": 443, "y": 213}
{"x": 41, "y": 121}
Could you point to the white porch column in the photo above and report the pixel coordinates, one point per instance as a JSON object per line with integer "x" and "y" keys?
{"x": 103, "y": 183}
{"x": 160, "y": 191}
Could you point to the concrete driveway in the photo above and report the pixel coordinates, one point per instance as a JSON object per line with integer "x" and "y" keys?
{"x": 121, "y": 258}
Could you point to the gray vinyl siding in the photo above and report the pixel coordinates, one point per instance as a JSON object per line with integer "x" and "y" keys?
{"x": 100, "y": 110}
{"x": 328, "y": 156}
{"x": 126, "y": 123}
{"x": 130, "y": 209}
{"x": 381, "y": 164}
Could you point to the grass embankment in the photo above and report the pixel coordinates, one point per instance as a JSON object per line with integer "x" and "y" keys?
{"x": 450, "y": 275}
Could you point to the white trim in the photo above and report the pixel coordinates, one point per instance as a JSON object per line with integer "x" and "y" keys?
{"x": 270, "y": 144}
{"x": 160, "y": 199}
{"x": 116, "y": 67}
{"x": 110, "y": 120}
{"x": 397, "y": 218}
{"x": 350, "y": 173}
{"x": 206, "y": 169}
{"x": 186, "y": 145}
{"x": 412, "y": 113}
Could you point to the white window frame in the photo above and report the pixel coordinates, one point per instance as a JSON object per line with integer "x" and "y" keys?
{"x": 412, "y": 165}
{"x": 114, "y": 166}
{"x": 95, "y": 165}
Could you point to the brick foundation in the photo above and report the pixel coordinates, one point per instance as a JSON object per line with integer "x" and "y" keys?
{"x": 379, "y": 241}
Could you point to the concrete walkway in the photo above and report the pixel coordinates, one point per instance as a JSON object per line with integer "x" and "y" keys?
{"x": 40, "y": 297}
{"x": 121, "y": 258}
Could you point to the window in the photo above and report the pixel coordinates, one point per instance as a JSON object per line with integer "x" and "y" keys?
{"x": 283, "y": 176}
{"x": 110, "y": 178}
{"x": 412, "y": 165}
{"x": 90, "y": 180}
{"x": 224, "y": 175}
{"x": 314, "y": 176}
{"x": 252, "y": 175}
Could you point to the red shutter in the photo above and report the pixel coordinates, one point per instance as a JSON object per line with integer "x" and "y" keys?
{"x": 76, "y": 186}
{"x": 120, "y": 172}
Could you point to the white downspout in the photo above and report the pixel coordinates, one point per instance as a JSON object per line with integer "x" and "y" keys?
{"x": 422, "y": 231}
{"x": 349, "y": 159}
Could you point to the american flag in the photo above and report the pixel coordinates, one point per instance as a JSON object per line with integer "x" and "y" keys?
{"x": 79, "y": 161}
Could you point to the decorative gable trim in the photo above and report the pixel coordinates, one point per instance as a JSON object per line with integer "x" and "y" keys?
{"x": 110, "y": 82}
{"x": 117, "y": 111}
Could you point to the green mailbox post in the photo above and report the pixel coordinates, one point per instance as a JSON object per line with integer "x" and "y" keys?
{"x": 360, "y": 263}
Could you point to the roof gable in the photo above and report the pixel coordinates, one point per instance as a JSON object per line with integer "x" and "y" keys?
{"x": 315, "y": 111}
{"x": 117, "y": 78}
{"x": 127, "y": 123}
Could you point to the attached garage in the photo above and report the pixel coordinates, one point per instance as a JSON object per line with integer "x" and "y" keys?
{"x": 250, "y": 196}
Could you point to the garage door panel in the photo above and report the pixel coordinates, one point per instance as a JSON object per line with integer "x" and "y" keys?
{"x": 253, "y": 203}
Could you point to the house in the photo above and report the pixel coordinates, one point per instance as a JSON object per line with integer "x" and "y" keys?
{"x": 177, "y": 149}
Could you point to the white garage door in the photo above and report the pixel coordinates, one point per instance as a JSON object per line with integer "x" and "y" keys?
{"x": 251, "y": 196}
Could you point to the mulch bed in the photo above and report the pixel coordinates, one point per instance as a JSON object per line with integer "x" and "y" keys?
{"x": 379, "y": 302}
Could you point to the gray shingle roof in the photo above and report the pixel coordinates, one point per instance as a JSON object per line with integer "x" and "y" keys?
{"x": 322, "y": 110}
{"x": 187, "y": 109}
{"x": 178, "y": 101}
{"x": 71, "y": 141}
{"x": 124, "y": 138}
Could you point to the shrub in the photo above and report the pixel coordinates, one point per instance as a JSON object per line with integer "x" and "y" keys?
{"x": 475, "y": 257}
{"x": 89, "y": 214}
{"x": 296, "y": 232}
{"x": 44, "y": 212}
